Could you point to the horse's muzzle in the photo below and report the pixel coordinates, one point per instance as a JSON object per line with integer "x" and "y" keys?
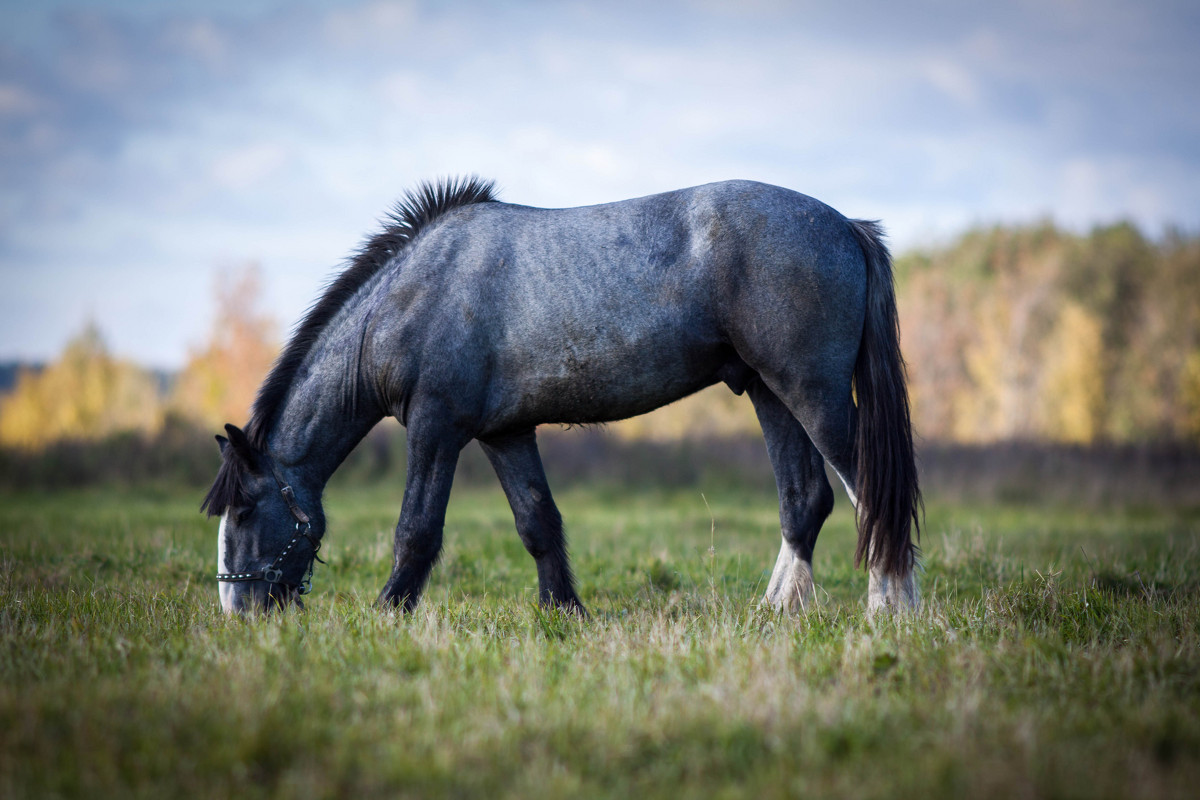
{"x": 257, "y": 597}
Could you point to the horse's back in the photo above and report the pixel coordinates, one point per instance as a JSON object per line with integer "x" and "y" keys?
{"x": 602, "y": 312}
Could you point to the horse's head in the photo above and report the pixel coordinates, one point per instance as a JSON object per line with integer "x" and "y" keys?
{"x": 269, "y": 534}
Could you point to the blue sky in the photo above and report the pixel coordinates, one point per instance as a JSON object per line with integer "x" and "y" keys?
{"x": 147, "y": 146}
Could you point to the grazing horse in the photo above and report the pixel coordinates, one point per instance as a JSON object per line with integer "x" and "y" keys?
{"x": 467, "y": 318}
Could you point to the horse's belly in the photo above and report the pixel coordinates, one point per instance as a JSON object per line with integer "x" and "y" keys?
{"x": 600, "y": 380}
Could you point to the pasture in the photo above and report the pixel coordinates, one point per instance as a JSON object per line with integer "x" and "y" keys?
{"x": 1057, "y": 653}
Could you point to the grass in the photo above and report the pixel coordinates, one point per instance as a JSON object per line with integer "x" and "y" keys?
{"x": 1057, "y": 654}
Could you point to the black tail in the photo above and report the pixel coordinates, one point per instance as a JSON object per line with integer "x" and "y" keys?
{"x": 889, "y": 494}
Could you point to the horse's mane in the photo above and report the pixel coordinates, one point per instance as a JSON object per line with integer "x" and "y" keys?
{"x": 412, "y": 214}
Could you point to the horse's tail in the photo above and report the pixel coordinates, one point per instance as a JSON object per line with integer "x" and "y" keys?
{"x": 889, "y": 494}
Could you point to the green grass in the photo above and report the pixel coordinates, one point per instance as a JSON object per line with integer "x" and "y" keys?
{"x": 1057, "y": 654}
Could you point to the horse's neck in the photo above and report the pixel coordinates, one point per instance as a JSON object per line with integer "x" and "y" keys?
{"x": 328, "y": 411}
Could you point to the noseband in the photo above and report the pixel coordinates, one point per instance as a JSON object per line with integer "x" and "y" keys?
{"x": 273, "y": 573}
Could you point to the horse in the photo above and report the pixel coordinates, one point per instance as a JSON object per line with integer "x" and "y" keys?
{"x": 466, "y": 318}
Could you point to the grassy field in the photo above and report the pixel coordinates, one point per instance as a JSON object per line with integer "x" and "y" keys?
{"x": 1057, "y": 655}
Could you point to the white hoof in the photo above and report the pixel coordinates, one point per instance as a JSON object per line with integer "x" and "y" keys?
{"x": 791, "y": 585}
{"x": 890, "y": 593}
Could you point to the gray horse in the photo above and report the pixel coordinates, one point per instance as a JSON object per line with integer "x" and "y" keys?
{"x": 467, "y": 318}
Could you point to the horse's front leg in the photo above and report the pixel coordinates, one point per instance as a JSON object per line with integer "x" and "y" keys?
{"x": 432, "y": 457}
{"x": 519, "y": 468}
{"x": 805, "y": 499}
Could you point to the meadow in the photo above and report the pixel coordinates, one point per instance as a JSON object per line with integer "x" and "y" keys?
{"x": 1057, "y": 654}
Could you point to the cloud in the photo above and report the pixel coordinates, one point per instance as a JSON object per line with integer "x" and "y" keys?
{"x": 372, "y": 25}
{"x": 954, "y": 80}
{"x": 17, "y": 101}
{"x": 246, "y": 166}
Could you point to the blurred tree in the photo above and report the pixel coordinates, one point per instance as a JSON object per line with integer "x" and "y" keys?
{"x": 85, "y": 395}
{"x": 1072, "y": 397}
{"x": 1164, "y": 340}
{"x": 219, "y": 382}
{"x": 1111, "y": 274}
{"x": 1031, "y": 332}
{"x": 1190, "y": 397}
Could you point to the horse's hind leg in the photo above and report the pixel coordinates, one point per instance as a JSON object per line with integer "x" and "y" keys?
{"x": 830, "y": 423}
{"x": 519, "y": 467}
{"x": 432, "y": 458}
{"x": 805, "y": 498}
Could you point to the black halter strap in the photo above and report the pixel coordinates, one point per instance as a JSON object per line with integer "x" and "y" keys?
{"x": 289, "y": 497}
{"x": 274, "y": 572}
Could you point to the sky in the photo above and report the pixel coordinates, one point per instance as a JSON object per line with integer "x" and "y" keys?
{"x": 149, "y": 149}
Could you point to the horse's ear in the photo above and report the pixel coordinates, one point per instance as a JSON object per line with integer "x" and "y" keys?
{"x": 222, "y": 443}
{"x": 241, "y": 445}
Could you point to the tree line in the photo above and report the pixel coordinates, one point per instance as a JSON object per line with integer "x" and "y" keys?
{"x": 1026, "y": 333}
{"x": 1034, "y": 333}
{"x": 88, "y": 394}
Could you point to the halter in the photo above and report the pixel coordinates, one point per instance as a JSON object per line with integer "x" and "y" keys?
{"x": 273, "y": 573}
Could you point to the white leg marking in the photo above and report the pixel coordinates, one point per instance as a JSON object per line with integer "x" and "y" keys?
{"x": 890, "y": 593}
{"x": 887, "y": 592}
{"x": 849, "y": 491}
{"x": 791, "y": 586}
{"x": 225, "y": 590}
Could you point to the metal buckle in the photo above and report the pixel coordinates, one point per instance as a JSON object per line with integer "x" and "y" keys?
{"x": 272, "y": 575}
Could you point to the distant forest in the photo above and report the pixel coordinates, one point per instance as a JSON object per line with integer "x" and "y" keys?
{"x": 1011, "y": 333}
{"x": 10, "y": 371}
{"x": 1035, "y": 333}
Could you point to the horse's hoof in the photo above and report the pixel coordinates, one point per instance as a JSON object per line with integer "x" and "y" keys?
{"x": 892, "y": 594}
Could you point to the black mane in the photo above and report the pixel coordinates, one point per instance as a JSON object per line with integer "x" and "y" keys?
{"x": 411, "y": 214}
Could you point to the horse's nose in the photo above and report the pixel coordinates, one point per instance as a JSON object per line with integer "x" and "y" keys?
{"x": 245, "y": 596}
{"x": 254, "y": 596}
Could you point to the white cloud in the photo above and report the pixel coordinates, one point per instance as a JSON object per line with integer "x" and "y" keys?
{"x": 246, "y": 166}
{"x": 373, "y": 24}
{"x": 952, "y": 78}
{"x": 18, "y": 101}
{"x": 201, "y": 38}
{"x": 403, "y": 89}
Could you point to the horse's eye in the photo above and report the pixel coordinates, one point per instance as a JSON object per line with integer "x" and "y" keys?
{"x": 242, "y": 514}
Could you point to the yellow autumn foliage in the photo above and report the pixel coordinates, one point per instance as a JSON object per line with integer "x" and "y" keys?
{"x": 1036, "y": 333}
{"x": 1191, "y": 396}
{"x": 219, "y": 381}
{"x": 85, "y": 395}
{"x": 1073, "y": 388}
